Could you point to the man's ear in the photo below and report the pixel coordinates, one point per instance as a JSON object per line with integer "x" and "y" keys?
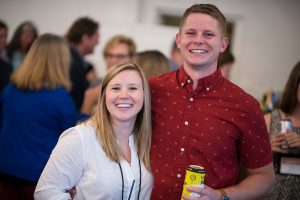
{"x": 225, "y": 42}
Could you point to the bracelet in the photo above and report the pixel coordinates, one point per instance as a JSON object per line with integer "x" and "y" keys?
{"x": 223, "y": 193}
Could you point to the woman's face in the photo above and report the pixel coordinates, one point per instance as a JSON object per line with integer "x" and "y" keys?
{"x": 27, "y": 38}
{"x": 125, "y": 96}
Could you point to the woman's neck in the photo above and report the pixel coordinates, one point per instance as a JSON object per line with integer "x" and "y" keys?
{"x": 122, "y": 133}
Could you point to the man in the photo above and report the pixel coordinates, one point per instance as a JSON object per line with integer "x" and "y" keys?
{"x": 83, "y": 36}
{"x": 118, "y": 49}
{"x": 203, "y": 119}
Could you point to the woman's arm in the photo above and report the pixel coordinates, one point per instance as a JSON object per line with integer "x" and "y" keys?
{"x": 64, "y": 168}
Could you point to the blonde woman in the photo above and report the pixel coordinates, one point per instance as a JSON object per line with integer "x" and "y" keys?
{"x": 153, "y": 62}
{"x": 34, "y": 109}
{"x": 106, "y": 157}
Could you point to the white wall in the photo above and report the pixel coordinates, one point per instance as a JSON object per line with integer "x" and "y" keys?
{"x": 266, "y": 39}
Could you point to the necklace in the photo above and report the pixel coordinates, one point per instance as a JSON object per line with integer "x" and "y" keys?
{"x": 132, "y": 185}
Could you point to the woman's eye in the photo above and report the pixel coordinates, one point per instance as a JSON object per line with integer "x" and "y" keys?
{"x": 133, "y": 88}
{"x": 115, "y": 88}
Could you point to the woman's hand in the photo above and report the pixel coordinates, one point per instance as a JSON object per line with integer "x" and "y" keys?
{"x": 277, "y": 141}
{"x": 293, "y": 139}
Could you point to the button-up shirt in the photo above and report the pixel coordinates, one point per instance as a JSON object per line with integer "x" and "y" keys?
{"x": 79, "y": 160}
{"x": 216, "y": 126}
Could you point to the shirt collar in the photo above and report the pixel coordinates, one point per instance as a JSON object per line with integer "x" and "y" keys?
{"x": 206, "y": 84}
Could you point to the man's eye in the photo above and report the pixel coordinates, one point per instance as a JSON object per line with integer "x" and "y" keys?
{"x": 190, "y": 33}
{"x": 209, "y": 34}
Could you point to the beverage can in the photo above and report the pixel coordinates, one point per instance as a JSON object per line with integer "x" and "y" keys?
{"x": 286, "y": 127}
{"x": 194, "y": 175}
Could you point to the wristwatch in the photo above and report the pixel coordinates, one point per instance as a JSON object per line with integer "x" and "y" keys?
{"x": 224, "y": 195}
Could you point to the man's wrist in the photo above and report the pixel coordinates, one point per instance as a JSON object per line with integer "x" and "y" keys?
{"x": 224, "y": 195}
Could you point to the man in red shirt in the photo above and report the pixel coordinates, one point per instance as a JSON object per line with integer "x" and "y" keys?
{"x": 203, "y": 119}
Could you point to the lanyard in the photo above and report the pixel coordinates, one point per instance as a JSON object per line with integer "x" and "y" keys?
{"x": 132, "y": 185}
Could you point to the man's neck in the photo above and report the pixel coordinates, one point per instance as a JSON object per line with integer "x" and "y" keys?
{"x": 198, "y": 72}
{"x": 80, "y": 49}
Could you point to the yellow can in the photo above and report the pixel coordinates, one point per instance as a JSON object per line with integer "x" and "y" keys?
{"x": 194, "y": 175}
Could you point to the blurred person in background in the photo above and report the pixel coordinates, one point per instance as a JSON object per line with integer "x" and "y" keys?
{"x": 287, "y": 185}
{"x": 5, "y": 67}
{"x": 118, "y": 49}
{"x": 152, "y": 62}
{"x": 225, "y": 63}
{"x": 83, "y": 36}
{"x": 20, "y": 43}
{"x": 176, "y": 58}
{"x": 35, "y": 108}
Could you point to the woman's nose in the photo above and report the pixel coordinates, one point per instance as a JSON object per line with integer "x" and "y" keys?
{"x": 123, "y": 93}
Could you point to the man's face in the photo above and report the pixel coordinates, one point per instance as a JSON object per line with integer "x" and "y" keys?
{"x": 3, "y": 38}
{"x": 91, "y": 42}
{"x": 117, "y": 54}
{"x": 201, "y": 41}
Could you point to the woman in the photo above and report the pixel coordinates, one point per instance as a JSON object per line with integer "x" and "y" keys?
{"x": 153, "y": 62}
{"x": 106, "y": 157}
{"x": 34, "y": 110}
{"x": 21, "y": 42}
{"x": 287, "y": 185}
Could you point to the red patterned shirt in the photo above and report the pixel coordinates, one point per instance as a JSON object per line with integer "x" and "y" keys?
{"x": 216, "y": 126}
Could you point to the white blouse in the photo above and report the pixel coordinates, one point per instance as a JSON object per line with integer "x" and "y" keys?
{"x": 78, "y": 160}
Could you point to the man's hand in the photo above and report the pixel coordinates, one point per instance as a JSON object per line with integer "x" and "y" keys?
{"x": 205, "y": 193}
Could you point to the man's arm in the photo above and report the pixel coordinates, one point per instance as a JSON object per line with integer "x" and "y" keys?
{"x": 258, "y": 183}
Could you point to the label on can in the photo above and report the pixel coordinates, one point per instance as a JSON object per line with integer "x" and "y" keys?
{"x": 195, "y": 175}
{"x": 286, "y": 127}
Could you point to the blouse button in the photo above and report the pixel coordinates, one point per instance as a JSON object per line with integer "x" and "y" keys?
{"x": 188, "y": 81}
{"x": 191, "y": 99}
{"x": 207, "y": 88}
{"x": 178, "y": 175}
{"x": 182, "y": 149}
{"x": 186, "y": 123}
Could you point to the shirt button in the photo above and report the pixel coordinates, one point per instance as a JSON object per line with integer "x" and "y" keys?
{"x": 191, "y": 99}
{"x": 186, "y": 123}
{"x": 182, "y": 149}
{"x": 188, "y": 80}
{"x": 178, "y": 175}
{"x": 207, "y": 88}
{"x": 182, "y": 84}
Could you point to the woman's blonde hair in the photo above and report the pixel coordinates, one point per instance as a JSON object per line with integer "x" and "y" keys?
{"x": 152, "y": 62}
{"x": 142, "y": 128}
{"x": 45, "y": 66}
